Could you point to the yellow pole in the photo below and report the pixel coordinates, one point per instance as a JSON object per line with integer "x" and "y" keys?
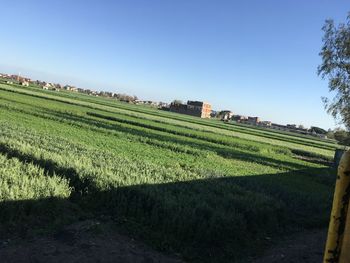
{"x": 345, "y": 249}
{"x": 338, "y": 240}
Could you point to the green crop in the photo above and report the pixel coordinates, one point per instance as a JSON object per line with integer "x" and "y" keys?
{"x": 210, "y": 191}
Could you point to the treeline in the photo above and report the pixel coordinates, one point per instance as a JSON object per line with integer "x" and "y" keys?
{"x": 340, "y": 135}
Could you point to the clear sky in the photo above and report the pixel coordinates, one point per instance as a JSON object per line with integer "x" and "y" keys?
{"x": 253, "y": 57}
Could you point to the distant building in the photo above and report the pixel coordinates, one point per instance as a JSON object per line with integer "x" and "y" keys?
{"x": 265, "y": 123}
{"x": 67, "y": 87}
{"x": 194, "y": 108}
{"x": 226, "y": 115}
{"x": 289, "y": 128}
{"x": 239, "y": 118}
{"x": 15, "y": 77}
{"x": 213, "y": 113}
{"x": 24, "y": 83}
{"x": 47, "y": 86}
{"x": 253, "y": 120}
{"x": 163, "y": 105}
{"x": 198, "y": 106}
{"x": 280, "y": 127}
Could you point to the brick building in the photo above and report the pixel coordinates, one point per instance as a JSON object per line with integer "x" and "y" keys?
{"x": 194, "y": 108}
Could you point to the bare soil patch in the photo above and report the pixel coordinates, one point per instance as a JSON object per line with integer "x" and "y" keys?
{"x": 305, "y": 247}
{"x": 80, "y": 242}
{"x": 88, "y": 241}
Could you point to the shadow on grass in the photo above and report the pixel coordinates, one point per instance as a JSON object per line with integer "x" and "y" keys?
{"x": 208, "y": 220}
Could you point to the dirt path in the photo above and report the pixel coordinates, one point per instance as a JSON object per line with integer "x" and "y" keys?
{"x": 306, "y": 247}
{"x": 81, "y": 242}
{"x": 88, "y": 242}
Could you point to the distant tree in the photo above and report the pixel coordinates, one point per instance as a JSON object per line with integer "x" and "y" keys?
{"x": 129, "y": 98}
{"x": 221, "y": 114}
{"x": 335, "y": 66}
{"x": 214, "y": 114}
{"x": 177, "y": 102}
{"x": 301, "y": 126}
{"x": 330, "y": 134}
{"x": 342, "y": 136}
{"x": 317, "y": 130}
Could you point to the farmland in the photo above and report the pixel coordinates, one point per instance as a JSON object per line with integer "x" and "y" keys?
{"x": 210, "y": 191}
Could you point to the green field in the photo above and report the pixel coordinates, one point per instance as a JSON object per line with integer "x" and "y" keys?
{"x": 210, "y": 191}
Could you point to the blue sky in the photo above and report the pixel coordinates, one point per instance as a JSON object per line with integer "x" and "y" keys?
{"x": 253, "y": 57}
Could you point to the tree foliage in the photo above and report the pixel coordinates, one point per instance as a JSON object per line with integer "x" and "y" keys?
{"x": 177, "y": 102}
{"x": 317, "y": 130}
{"x": 342, "y": 136}
{"x": 335, "y": 67}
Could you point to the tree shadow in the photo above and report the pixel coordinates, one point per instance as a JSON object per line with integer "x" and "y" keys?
{"x": 220, "y": 219}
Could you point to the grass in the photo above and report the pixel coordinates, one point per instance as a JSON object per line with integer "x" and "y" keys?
{"x": 210, "y": 191}
{"x": 295, "y": 142}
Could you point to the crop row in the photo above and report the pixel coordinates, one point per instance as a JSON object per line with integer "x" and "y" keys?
{"x": 215, "y": 213}
{"x": 290, "y": 142}
{"x": 207, "y": 196}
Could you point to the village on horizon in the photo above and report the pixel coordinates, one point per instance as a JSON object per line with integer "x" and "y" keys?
{"x": 193, "y": 108}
